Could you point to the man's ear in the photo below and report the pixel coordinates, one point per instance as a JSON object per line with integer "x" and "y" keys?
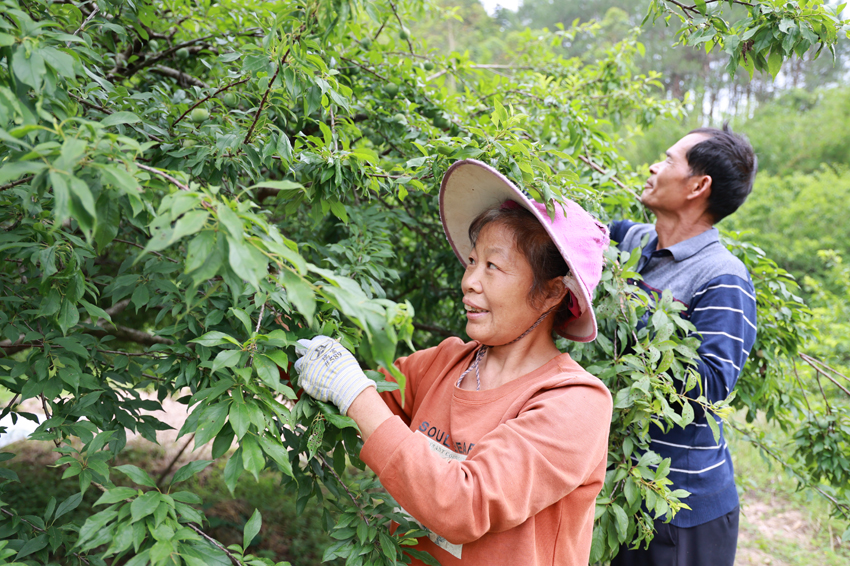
{"x": 699, "y": 187}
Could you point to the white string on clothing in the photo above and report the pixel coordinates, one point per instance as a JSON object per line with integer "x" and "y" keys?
{"x": 480, "y": 355}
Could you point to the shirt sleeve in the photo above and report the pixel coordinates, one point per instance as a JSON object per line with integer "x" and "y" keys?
{"x": 523, "y": 466}
{"x": 724, "y": 314}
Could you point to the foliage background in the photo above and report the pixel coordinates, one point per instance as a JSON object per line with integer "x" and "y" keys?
{"x": 188, "y": 188}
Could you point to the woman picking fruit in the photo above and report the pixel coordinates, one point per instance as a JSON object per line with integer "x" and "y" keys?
{"x": 500, "y": 446}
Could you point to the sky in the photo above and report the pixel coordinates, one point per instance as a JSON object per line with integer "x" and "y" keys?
{"x": 490, "y": 5}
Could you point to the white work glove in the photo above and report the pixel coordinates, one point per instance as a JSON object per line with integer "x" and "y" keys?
{"x": 328, "y": 372}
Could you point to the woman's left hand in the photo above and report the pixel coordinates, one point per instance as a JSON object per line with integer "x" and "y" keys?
{"x": 329, "y": 372}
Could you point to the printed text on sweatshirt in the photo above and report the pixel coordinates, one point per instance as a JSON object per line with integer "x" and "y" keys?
{"x": 521, "y": 467}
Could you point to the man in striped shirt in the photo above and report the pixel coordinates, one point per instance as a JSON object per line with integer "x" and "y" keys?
{"x": 706, "y": 176}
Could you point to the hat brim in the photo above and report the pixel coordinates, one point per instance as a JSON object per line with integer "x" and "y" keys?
{"x": 469, "y": 188}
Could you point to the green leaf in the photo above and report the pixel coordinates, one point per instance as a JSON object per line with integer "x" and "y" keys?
{"x": 240, "y": 420}
{"x": 189, "y": 224}
{"x": 68, "y": 316}
{"x": 277, "y": 453}
{"x": 233, "y": 469}
{"x": 621, "y": 521}
{"x": 145, "y": 505}
{"x": 215, "y": 338}
{"x": 211, "y": 422}
{"x": 279, "y": 357}
{"x": 232, "y": 223}
{"x": 117, "y": 494}
{"x": 226, "y": 359}
{"x": 299, "y": 293}
{"x": 120, "y": 118}
{"x": 280, "y": 185}
{"x": 715, "y": 429}
{"x": 267, "y": 370}
{"x": 252, "y": 527}
{"x": 29, "y": 70}
{"x": 243, "y": 318}
{"x": 32, "y": 545}
{"x": 95, "y": 311}
{"x": 136, "y": 474}
{"x": 69, "y": 504}
{"x": 15, "y": 170}
{"x": 190, "y": 470}
{"x": 774, "y": 63}
{"x": 252, "y": 456}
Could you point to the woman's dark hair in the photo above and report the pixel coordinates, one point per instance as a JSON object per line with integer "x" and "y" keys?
{"x": 532, "y": 240}
{"x": 729, "y": 160}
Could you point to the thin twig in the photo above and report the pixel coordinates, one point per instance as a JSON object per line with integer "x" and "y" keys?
{"x": 48, "y": 415}
{"x": 599, "y": 169}
{"x": 84, "y": 24}
{"x": 800, "y": 383}
{"x": 37, "y": 529}
{"x": 819, "y": 372}
{"x": 131, "y": 354}
{"x": 345, "y": 487}
{"x": 400, "y": 23}
{"x": 164, "y": 176}
{"x": 380, "y": 29}
{"x": 845, "y": 510}
{"x": 260, "y": 318}
{"x": 295, "y": 40}
{"x": 18, "y": 182}
{"x": 141, "y": 247}
{"x": 170, "y": 465}
{"x": 810, "y": 360}
{"x": 8, "y": 408}
{"x": 822, "y": 392}
{"x": 179, "y": 76}
{"x": 365, "y": 68}
{"x": 256, "y": 331}
{"x": 216, "y": 543}
{"x": 213, "y": 95}
{"x": 333, "y": 127}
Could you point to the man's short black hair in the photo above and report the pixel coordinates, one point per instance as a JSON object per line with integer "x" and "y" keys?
{"x": 729, "y": 160}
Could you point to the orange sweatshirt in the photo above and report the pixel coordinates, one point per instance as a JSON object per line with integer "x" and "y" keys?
{"x": 507, "y": 476}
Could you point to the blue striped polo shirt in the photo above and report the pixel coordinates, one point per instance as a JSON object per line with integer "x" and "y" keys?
{"x": 717, "y": 290}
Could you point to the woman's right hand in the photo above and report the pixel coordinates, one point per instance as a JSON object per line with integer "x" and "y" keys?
{"x": 329, "y": 372}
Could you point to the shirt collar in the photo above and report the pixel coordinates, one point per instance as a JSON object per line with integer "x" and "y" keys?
{"x": 691, "y": 246}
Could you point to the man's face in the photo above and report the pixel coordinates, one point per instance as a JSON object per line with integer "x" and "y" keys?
{"x": 669, "y": 180}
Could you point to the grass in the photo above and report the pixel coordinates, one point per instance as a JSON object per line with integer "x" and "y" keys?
{"x": 780, "y": 525}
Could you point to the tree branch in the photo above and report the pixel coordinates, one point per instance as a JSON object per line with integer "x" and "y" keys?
{"x": 84, "y": 24}
{"x": 599, "y": 169}
{"x": 201, "y": 101}
{"x": 844, "y": 509}
{"x": 216, "y": 543}
{"x": 150, "y": 61}
{"x": 37, "y": 529}
{"x": 166, "y": 176}
{"x": 295, "y": 39}
{"x": 181, "y": 77}
{"x": 16, "y": 183}
{"x": 395, "y": 12}
{"x": 141, "y": 247}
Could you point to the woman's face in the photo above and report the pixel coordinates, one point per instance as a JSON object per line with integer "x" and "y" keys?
{"x": 495, "y": 287}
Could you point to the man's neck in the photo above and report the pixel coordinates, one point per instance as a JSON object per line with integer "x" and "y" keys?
{"x": 677, "y": 228}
